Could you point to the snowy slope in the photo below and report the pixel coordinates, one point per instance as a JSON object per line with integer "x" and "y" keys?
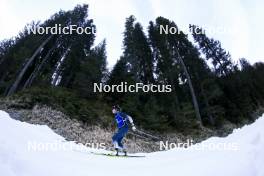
{"x": 17, "y": 160}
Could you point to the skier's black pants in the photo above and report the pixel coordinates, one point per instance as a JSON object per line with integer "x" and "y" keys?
{"x": 119, "y": 135}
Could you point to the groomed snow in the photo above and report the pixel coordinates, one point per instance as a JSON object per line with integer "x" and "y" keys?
{"x": 244, "y": 158}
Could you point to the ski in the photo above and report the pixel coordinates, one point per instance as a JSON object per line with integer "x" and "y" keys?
{"x": 114, "y": 155}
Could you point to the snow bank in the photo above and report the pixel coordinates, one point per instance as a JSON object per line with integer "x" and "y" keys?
{"x": 244, "y": 158}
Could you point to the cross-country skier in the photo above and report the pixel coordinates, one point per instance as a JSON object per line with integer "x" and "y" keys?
{"x": 123, "y": 120}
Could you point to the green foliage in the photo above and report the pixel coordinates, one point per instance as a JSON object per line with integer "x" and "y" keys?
{"x": 88, "y": 110}
{"x": 65, "y": 69}
{"x": 220, "y": 59}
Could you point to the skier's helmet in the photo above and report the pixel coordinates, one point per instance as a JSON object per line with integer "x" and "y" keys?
{"x": 116, "y": 107}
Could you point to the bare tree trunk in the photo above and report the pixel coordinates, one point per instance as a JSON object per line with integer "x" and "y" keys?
{"x": 14, "y": 87}
{"x": 194, "y": 99}
{"x": 56, "y": 78}
{"x": 58, "y": 69}
{"x": 37, "y": 70}
{"x": 211, "y": 119}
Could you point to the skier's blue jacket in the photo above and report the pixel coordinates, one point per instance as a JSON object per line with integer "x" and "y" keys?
{"x": 121, "y": 119}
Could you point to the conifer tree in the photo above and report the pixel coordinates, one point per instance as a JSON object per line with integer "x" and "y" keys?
{"x": 214, "y": 52}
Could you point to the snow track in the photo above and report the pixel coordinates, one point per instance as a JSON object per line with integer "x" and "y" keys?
{"x": 17, "y": 157}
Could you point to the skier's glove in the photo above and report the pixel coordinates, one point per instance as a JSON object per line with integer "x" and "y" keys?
{"x": 133, "y": 127}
